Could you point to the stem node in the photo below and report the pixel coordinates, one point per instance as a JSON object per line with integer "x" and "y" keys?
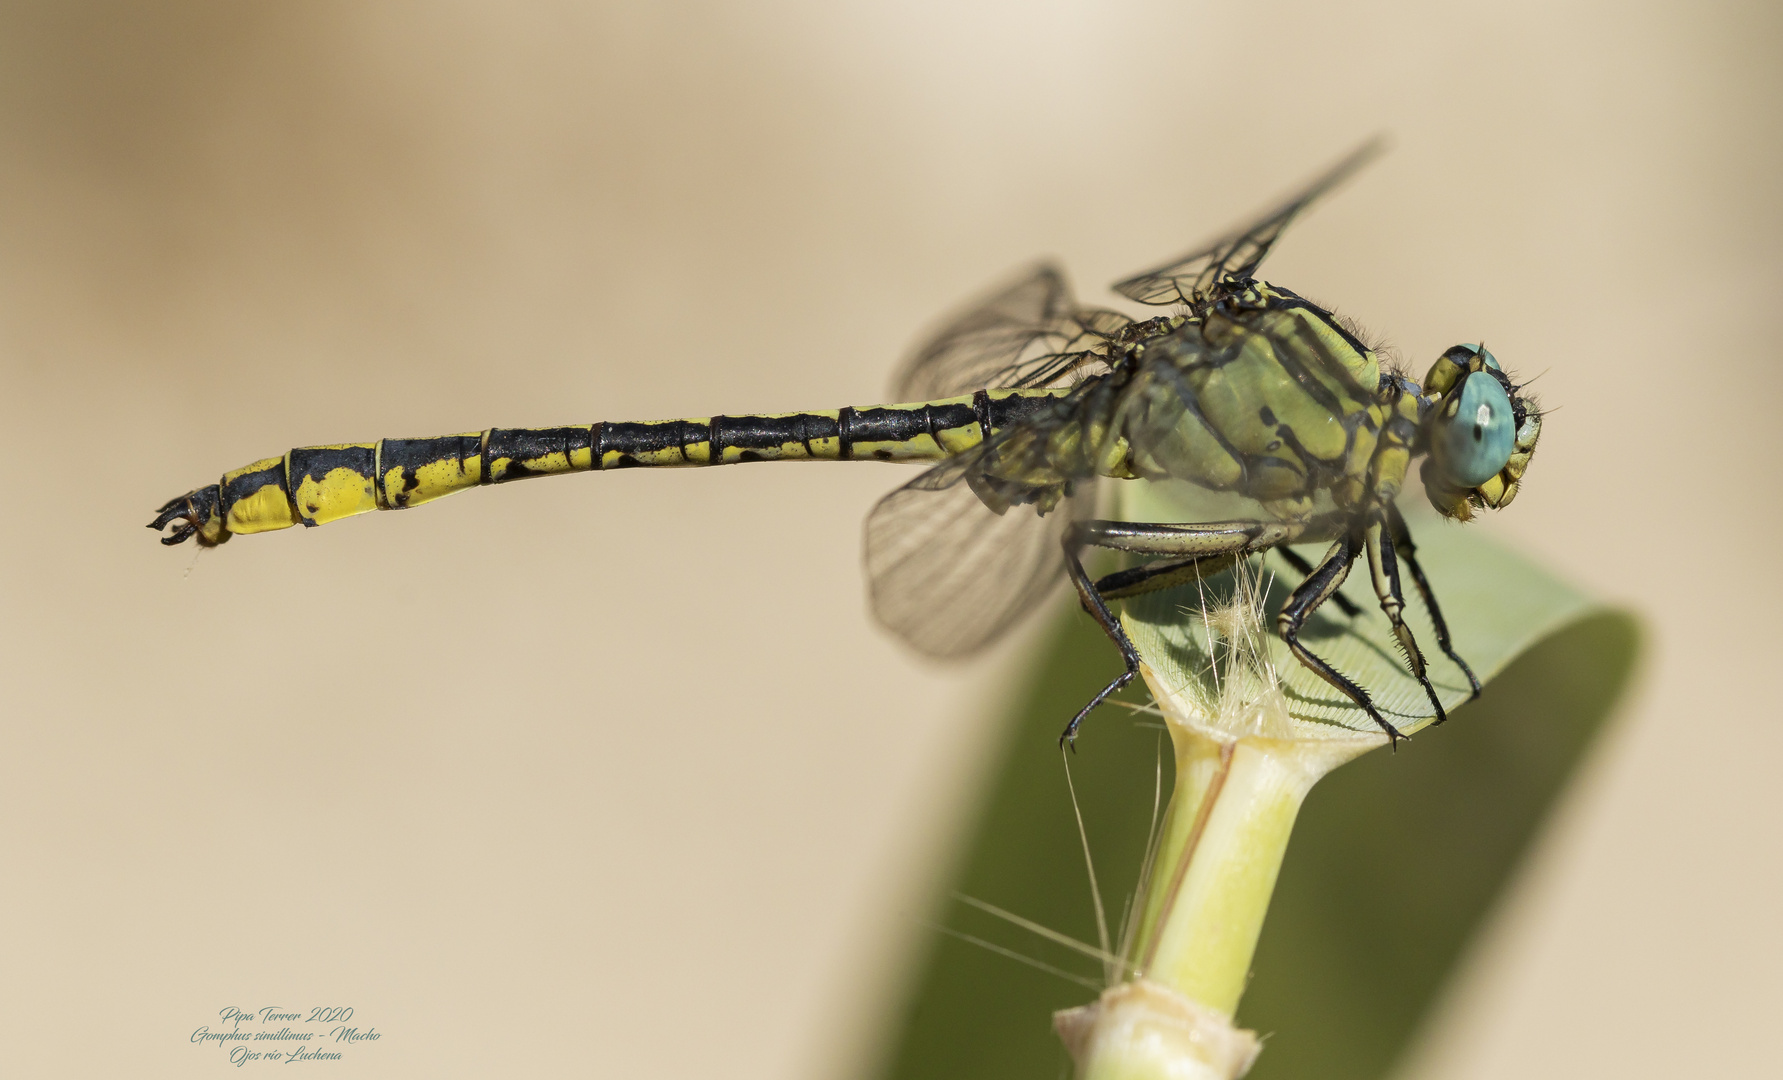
{"x": 1145, "y": 1029}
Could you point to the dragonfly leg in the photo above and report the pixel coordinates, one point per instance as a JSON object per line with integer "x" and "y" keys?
{"x": 1306, "y": 597}
{"x": 1383, "y": 568}
{"x": 1161, "y": 575}
{"x": 1198, "y": 540}
{"x": 1304, "y": 569}
{"x": 1210, "y": 547}
{"x": 1402, "y": 541}
{"x": 1165, "y": 575}
{"x": 1098, "y": 608}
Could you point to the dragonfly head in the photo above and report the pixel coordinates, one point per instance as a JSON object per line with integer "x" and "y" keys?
{"x": 1479, "y": 433}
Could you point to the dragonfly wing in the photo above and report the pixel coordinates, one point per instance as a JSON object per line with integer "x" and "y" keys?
{"x": 947, "y": 570}
{"x": 949, "y": 575}
{"x": 1028, "y": 333}
{"x": 1190, "y": 279}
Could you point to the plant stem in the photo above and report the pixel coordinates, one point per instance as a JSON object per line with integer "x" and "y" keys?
{"x": 1224, "y": 836}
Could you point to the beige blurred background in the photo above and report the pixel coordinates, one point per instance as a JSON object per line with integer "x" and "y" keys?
{"x": 613, "y": 775}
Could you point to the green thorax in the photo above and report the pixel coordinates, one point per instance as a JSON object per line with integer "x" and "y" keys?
{"x": 1265, "y": 395}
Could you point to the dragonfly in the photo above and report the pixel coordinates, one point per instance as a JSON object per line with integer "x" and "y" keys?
{"x": 1025, "y": 404}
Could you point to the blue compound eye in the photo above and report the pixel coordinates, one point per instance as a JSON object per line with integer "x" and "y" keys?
{"x": 1474, "y": 441}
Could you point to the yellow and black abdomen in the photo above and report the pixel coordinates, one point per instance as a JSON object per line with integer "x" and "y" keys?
{"x": 314, "y": 485}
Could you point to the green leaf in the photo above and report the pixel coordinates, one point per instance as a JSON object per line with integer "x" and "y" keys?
{"x": 1396, "y": 860}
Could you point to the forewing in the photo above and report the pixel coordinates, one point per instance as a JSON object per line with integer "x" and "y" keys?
{"x": 1189, "y": 279}
{"x": 1028, "y": 333}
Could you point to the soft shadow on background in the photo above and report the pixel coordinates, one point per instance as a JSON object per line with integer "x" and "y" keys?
{"x": 614, "y": 774}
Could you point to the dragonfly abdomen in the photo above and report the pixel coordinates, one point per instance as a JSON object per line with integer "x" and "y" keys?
{"x": 314, "y": 485}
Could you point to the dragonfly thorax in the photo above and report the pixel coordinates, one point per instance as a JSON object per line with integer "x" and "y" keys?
{"x": 1264, "y": 395}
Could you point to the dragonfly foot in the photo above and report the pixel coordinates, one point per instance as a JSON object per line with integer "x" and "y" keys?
{"x": 1068, "y": 739}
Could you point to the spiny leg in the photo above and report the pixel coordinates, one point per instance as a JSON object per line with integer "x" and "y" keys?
{"x": 1304, "y": 569}
{"x": 1204, "y": 543}
{"x": 1384, "y": 569}
{"x": 1210, "y": 547}
{"x": 1402, "y": 541}
{"x": 1098, "y": 608}
{"x": 1198, "y": 539}
{"x": 1161, "y": 575}
{"x": 1304, "y": 600}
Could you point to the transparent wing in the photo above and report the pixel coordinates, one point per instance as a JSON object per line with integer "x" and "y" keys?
{"x": 1189, "y": 279}
{"x": 1028, "y": 333}
{"x": 949, "y": 575}
{"x": 959, "y": 554}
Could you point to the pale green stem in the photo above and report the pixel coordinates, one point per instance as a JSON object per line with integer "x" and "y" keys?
{"x": 1224, "y": 836}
